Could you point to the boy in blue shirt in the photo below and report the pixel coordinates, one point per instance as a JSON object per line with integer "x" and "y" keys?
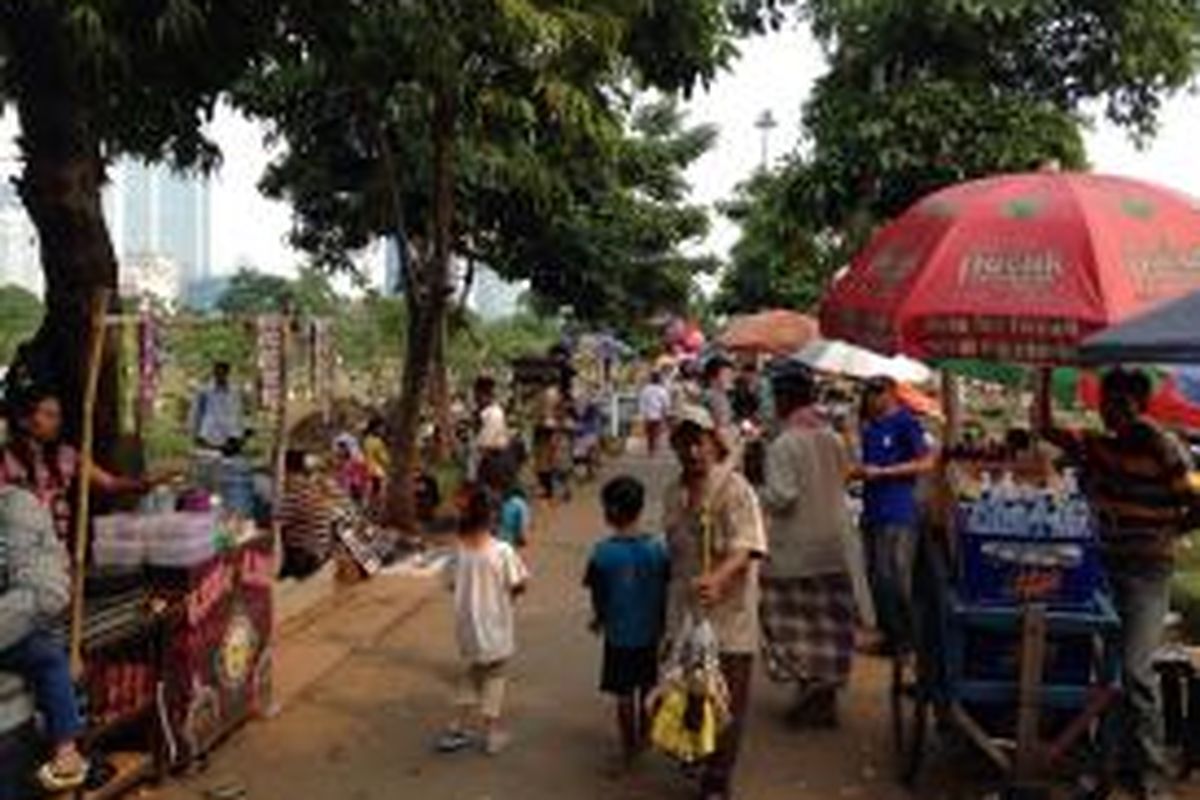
{"x": 627, "y": 575}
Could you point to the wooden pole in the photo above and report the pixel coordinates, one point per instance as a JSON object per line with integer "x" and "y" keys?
{"x": 279, "y": 442}
{"x": 952, "y": 407}
{"x": 1042, "y": 415}
{"x": 1028, "y": 762}
{"x": 95, "y": 356}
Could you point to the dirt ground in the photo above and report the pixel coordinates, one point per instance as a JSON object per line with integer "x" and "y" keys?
{"x": 366, "y": 687}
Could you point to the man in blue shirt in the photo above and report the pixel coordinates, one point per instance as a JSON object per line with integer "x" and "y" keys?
{"x": 628, "y": 576}
{"x": 895, "y": 454}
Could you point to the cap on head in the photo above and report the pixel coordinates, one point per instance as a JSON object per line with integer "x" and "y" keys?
{"x": 697, "y": 416}
{"x": 880, "y": 384}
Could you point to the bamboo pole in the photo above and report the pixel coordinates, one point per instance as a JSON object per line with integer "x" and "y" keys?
{"x": 95, "y": 356}
{"x": 279, "y": 433}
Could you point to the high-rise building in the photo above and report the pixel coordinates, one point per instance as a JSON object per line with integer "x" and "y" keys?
{"x": 161, "y": 217}
{"x": 20, "y": 257}
{"x": 393, "y": 275}
{"x": 492, "y": 297}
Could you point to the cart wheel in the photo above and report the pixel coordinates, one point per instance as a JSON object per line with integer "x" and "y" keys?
{"x": 910, "y": 717}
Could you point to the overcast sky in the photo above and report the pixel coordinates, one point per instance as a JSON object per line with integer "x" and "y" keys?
{"x": 775, "y": 73}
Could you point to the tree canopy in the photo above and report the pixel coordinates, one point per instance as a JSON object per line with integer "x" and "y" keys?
{"x": 251, "y": 293}
{"x": 609, "y": 240}
{"x": 921, "y": 94}
{"x": 21, "y": 312}
{"x": 436, "y": 123}
{"x": 778, "y": 261}
{"x": 92, "y": 80}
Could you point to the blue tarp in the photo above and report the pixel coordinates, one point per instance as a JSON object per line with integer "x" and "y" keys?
{"x": 1168, "y": 334}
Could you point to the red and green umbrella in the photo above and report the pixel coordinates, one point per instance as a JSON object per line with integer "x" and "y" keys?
{"x": 1018, "y": 268}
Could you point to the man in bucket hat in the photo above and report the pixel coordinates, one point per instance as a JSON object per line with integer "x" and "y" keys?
{"x": 723, "y": 587}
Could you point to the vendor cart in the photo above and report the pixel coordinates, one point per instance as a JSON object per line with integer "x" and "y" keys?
{"x": 1009, "y": 268}
{"x": 1028, "y": 684}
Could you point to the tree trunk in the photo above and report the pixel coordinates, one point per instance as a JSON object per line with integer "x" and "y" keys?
{"x": 60, "y": 188}
{"x": 439, "y": 393}
{"x": 427, "y": 305}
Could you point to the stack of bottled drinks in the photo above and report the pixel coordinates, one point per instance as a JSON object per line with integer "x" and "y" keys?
{"x": 1024, "y": 542}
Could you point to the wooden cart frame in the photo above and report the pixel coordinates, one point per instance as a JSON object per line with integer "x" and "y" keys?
{"x": 933, "y": 681}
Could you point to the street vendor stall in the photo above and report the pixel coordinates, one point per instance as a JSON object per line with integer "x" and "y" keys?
{"x": 208, "y": 575}
{"x": 1020, "y": 643}
{"x": 1169, "y": 334}
{"x": 171, "y": 617}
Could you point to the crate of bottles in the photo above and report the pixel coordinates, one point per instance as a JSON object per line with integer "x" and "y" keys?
{"x": 1021, "y": 544}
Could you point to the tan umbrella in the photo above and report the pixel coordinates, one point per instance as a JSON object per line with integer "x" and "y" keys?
{"x": 777, "y": 332}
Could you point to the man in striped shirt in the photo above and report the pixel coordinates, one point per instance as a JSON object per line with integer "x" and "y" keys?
{"x": 1136, "y": 476}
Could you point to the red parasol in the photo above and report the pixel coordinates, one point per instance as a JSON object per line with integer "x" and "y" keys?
{"x": 777, "y": 332}
{"x": 1017, "y": 268}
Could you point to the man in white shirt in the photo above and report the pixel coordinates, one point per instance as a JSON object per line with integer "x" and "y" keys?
{"x": 216, "y": 421}
{"x": 654, "y": 406}
{"x": 492, "y": 441}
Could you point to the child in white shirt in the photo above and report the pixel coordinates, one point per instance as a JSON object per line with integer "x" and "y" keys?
{"x": 485, "y": 575}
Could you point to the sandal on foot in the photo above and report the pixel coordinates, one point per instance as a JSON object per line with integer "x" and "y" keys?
{"x": 56, "y": 778}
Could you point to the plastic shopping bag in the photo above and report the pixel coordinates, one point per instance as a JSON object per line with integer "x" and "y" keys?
{"x": 690, "y": 707}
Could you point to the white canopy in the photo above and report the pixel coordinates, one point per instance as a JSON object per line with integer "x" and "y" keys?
{"x": 842, "y": 358}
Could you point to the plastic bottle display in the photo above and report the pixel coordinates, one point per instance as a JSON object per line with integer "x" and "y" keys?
{"x": 1009, "y": 508}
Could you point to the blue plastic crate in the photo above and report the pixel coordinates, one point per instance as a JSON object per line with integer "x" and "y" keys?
{"x": 996, "y": 656}
{"x": 1004, "y": 569}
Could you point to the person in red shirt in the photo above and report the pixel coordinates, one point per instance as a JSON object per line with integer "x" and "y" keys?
{"x": 37, "y": 460}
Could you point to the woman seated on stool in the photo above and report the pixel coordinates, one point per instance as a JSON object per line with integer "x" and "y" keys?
{"x": 35, "y": 589}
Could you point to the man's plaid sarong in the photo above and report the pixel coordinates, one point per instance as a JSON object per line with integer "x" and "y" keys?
{"x": 808, "y": 628}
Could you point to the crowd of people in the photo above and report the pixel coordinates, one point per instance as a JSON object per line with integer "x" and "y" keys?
{"x": 759, "y": 537}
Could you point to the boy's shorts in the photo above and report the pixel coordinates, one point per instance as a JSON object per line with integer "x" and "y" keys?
{"x": 628, "y": 669}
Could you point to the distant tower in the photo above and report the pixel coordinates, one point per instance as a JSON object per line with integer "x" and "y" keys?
{"x": 766, "y": 124}
{"x": 393, "y": 274}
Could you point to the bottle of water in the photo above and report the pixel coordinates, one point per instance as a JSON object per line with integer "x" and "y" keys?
{"x": 1079, "y": 518}
{"x": 1012, "y": 513}
{"x": 1077, "y": 513}
{"x": 1057, "y": 514}
{"x": 982, "y": 518}
{"x": 1035, "y": 517}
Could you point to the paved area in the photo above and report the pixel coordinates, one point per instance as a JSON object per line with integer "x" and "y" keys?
{"x": 366, "y": 686}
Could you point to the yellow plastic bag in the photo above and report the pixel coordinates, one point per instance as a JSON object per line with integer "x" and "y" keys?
{"x": 684, "y": 725}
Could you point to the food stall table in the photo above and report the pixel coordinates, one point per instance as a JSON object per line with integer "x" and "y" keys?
{"x": 123, "y": 638}
{"x": 217, "y": 659}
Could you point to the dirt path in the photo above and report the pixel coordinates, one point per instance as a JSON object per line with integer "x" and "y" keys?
{"x": 362, "y": 731}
